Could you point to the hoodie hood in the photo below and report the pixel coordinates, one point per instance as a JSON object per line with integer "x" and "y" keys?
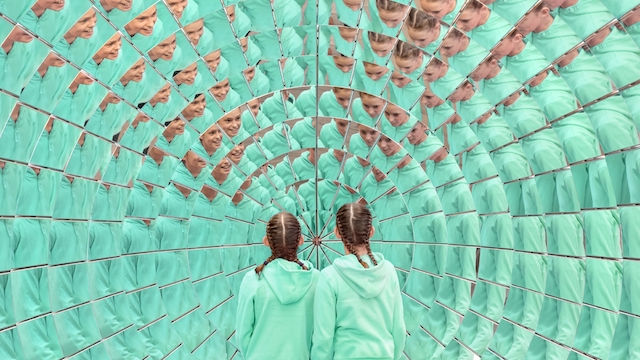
{"x": 288, "y": 280}
{"x": 368, "y": 283}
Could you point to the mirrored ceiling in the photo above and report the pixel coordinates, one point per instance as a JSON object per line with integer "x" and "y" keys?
{"x": 145, "y": 144}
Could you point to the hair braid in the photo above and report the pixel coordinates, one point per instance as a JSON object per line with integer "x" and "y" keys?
{"x": 283, "y": 234}
{"x": 354, "y": 225}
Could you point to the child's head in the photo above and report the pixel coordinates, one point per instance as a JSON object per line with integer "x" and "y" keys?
{"x": 284, "y": 236}
{"x": 353, "y": 227}
{"x": 144, "y": 23}
{"x": 343, "y": 96}
{"x": 195, "y": 30}
{"x": 368, "y": 135}
{"x": 429, "y": 99}
{"x": 187, "y": 75}
{"x": 408, "y": 58}
{"x": 391, "y": 13}
{"x": 484, "y": 69}
{"x": 435, "y": 70}
{"x": 472, "y": 16}
{"x": 380, "y": 44}
{"x": 455, "y": 42}
{"x": 438, "y": 8}
{"x": 423, "y": 29}
{"x": 165, "y": 49}
{"x": 371, "y": 104}
{"x": 195, "y": 108}
{"x": 396, "y": 115}
{"x": 508, "y": 44}
{"x": 220, "y": 90}
{"x": 418, "y": 134}
{"x": 348, "y": 33}
{"x": 374, "y": 71}
{"x": 344, "y": 63}
{"x": 213, "y": 60}
{"x": 531, "y": 20}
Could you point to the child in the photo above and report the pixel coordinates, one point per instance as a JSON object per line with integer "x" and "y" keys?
{"x": 362, "y": 290}
{"x": 410, "y": 60}
{"x": 275, "y": 311}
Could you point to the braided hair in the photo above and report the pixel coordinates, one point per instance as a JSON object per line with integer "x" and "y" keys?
{"x": 404, "y": 50}
{"x": 354, "y": 226}
{"x": 283, "y": 233}
{"x": 420, "y": 20}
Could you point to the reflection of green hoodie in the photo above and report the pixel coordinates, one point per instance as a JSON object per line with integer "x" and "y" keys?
{"x": 275, "y": 311}
{"x": 367, "y": 304}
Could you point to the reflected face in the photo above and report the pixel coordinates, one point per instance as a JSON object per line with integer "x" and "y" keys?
{"x": 382, "y": 49}
{"x": 348, "y": 34}
{"x": 531, "y": 21}
{"x": 175, "y": 127}
{"x": 231, "y": 13}
{"x": 144, "y": 23}
{"x": 231, "y": 123}
{"x": 53, "y": 60}
{"x": 423, "y": 37}
{"x": 165, "y": 49}
{"x": 195, "y": 108}
{"x": 224, "y": 167}
{"x": 372, "y": 105}
{"x": 400, "y": 80}
{"x": 368, "y": 134}
{"x": 468, "y": 20}
{"x": 450, "y": 47}
{"x": 193, "y": 161}
{"x": 83, "y": 79}
{"x": 417, "y": 135}
{"x": 213, "y": 60}
{"x": 342, "y": 126}
{"x": 343, "y": 96}
{"x": 177, "y": 7}
{"x": 395, "y": 115}
{"x": 111, "y": 98}
{"x": 111, "y": 50}
{"x": 408, "y": 66}
{"x": 55, "y": 5}
{"x": 437, "y": 8}
{"x": 377, "y": 174}
{"x": 235, "y": 155}
{"x": 430, "y": 100}
{"x": 122, "y": 5}
{"x": 505, "y": 46}
{"x": 187, "y": 76}
{"x": 375, "y": 72}
{"x": 249, "y": 73}
{"x": 433, "y": 71}
{"x": 483, "y": 70}
{"x": 391, "y": 18}
{"x": 194, "y": 31}
{"x": 254, "y": 106}
{"x": 244, "y": 44}
{"x": 212, "y": 138}
{"x": 343, "y": 63}
{"x": 19, "y": 35}
{"x": 136, "y": 72}
{"x": 220, "y": 90}
{"x": 388, "y": 146}
{"x": 163, "y": 95}
{"x": 83, "y": 28}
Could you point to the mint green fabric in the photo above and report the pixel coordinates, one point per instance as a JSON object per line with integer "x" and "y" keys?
{"x": 376, "y": 311}
{"x": 283, "y": 288}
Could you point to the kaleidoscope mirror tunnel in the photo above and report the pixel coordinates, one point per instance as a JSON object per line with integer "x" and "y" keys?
{"x": 145, "y": 144}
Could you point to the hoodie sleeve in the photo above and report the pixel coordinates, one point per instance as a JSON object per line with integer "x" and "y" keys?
{"x": 245, "y": 317}
{"x": 325, "y": 324}
{"x": 399, "y": 329}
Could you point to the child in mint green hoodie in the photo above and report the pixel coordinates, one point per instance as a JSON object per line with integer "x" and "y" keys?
{"x": 275, "y": 303}
{"x": 362, "y": 290}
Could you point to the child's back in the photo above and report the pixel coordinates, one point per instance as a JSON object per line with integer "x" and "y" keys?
{"x": 275, "y": 302}
{"x": 358, "y": 306}
{"x": 275, "y": 316}
{"x": 368, "y": 307}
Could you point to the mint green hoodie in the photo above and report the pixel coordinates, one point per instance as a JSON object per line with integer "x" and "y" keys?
{"x": 368, "y": 321}
{"x": 275, "y": 312}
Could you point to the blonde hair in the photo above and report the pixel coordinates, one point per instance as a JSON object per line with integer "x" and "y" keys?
{"x": 419, "y": 20}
